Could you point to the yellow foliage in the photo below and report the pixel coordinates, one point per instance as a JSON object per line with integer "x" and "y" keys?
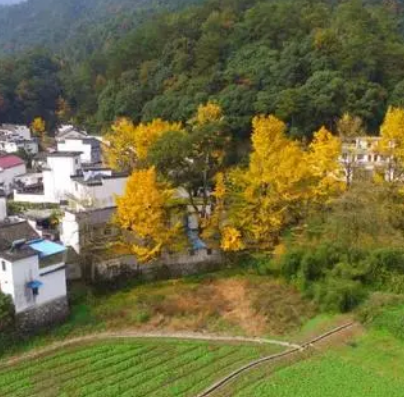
{"x": 128, "y": 144}
{"x": 231, "y": 239}
{"x": 38, "y": 126}
{"x": 281, "y": 180}
{"x": 147, "y": 134}
{"x": 323, "y": 159}
{"x": 209, "y": 113}
{"x": 392, "y": 135}
{"x": 143, "y": 211}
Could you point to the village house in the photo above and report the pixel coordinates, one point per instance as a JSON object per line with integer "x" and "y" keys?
{"x": 15, "y": 131}
{"x": 14, "y": 138}
{"x": 89, "y": 147}
{"x": 68, "y": 131}
{"x": 361, "y": 155}
{"x": 32, "y": 272}
{"x": 11, "y": 166}
{"x": 65, "y": 179}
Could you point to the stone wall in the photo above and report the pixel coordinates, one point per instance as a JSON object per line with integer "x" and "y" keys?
{"x": 42, "y": 316}
{"x": 169, "y": 266}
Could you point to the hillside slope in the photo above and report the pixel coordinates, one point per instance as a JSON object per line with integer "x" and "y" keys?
{"x": 59, "y": 23}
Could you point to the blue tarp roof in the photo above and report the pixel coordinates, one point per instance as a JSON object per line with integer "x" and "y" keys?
{"x": 46, "y": 248}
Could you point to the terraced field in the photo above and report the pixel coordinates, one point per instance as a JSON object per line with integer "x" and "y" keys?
{"x": 129, "y": 367}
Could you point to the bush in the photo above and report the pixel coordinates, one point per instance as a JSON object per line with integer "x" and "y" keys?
{"x": 376, "y": 305}
{"x": 6, "y": 313}
{"x": 339, "y": 295}
{"x": 289, "y": 263}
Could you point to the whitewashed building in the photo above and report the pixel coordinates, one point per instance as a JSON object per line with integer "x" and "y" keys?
{"x": 69, "y": 131}
{"x": 11, "y": 166}
{"x": 89, "y": 147}
{"x": 15, "y": 131}
{"x": 32, "y": 272}
{"x": 64, "y": 179}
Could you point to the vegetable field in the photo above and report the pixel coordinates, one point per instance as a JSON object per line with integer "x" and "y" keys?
{"x": 127, "y": 367}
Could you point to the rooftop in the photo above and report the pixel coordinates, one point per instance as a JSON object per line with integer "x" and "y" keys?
{"x": 10, "y": 161}
{"x": 14, "y": 231}
{"x": 46, "y": 248}
{"x": 64, "y": 154}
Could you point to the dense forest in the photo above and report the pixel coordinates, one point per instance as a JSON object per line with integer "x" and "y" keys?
{"x": 306, "y": 61}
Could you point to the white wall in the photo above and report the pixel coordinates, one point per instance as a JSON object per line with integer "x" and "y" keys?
{"x": 3, "y": 208}
{"x": 6, "y": 278}
{"x": 7, "y": 175}
{"x": 57, "y": 181}
{"x": 77, "y": 145}
{"x": 33, "y": 198}
{"x": 54, "y": 286}
{"x": 70, "y": 235}
{"x": 102, "y": 195}
{"x": 24, "y": 271}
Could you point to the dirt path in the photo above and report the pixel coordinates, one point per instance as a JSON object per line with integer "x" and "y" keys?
{"x": 146, "y": 335}
{"x": 341, "y": 333}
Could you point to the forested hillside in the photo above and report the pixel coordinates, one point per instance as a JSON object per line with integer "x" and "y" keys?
{"x": 306, "y": 61}
{"x": 74, "y": 27}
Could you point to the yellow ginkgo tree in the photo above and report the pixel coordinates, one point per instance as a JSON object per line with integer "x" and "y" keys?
{"x": 145, "y": 216}
{"x": 281, "y": 180}
{"x": 392, "y": 143}
{"x": 128, "y": 144}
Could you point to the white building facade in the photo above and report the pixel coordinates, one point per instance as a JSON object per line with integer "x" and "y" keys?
{"x": 90, "y": 148}
{"x": 32, "y": 272}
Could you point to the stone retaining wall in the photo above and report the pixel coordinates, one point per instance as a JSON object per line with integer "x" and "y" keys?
{"x": 42, "y": 316}
{"x": 170, "y": 266}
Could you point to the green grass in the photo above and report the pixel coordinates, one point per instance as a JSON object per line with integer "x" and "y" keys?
{"x": 370, "y": 366}
{"x": 119, "y": 368}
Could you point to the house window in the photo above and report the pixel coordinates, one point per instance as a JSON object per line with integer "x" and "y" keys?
{"x": 3, "y": 266}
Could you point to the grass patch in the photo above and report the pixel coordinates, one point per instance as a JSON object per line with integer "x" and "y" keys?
{"x": 128, "y": 368}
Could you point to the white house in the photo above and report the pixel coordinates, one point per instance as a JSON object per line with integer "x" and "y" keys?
{"x": 78, "y": 228}
{"x": 68, "y": 131}
{"x": 89, "y": 147}
{"x": 15, "y": 131}
{"x": 11, "y": 166}
{"x": 32, "y": 271}
{"x": 9, "y": 145}
{"x": 65, "y": 179}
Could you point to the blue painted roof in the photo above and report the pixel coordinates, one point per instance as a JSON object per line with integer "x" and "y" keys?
{"x": 46, "y": 248}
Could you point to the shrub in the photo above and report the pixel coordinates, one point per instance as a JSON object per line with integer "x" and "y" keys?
{"x": 289, "y": 263}
{"x": 377, "y": 304}
{"x": 339, "y": 295}
{"x": 6, "y": 313}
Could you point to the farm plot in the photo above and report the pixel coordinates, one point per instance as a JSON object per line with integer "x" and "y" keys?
{"x": 130, "y": 367}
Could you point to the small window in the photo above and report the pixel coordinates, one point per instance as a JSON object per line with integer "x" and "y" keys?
{"x": 3, "y": 266}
